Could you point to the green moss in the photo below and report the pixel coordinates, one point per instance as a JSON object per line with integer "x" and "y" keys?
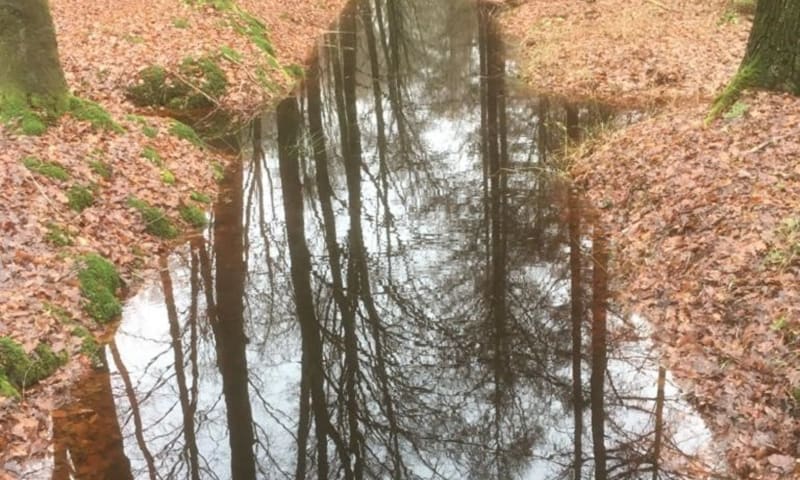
{"x": 152, "y": 154}
{"x": 156, "y": 221}
{"x": 99, "y": 282}
{"x": 218, "y": 171}
{"x": 102, "y": 169}
{"x": 90, "y": 347}
{"x": 151, "y": 88}
{"x": 93, "y": 113}
{"x": 46, "y": 169}
{"x": 30, "y": 115}
{"x": 230, "y": 54}
{"x": 193, "y": 215}
{"x": 185, "y": 132}
{"x": 200, "y": 197}
{"x": 168, "y": 177}
{"x": 295, "y": 71}
{"x": 6, "y": 389}
{"x": 148, "y": 130}
{"x": 19, "y": 370}
{"x": 180, "y": 22}
{"x": 745, "y": 78}
{"x": 57, "y": 236}
{"x": 198, "y": 83}
{"x": 79, "y": 198}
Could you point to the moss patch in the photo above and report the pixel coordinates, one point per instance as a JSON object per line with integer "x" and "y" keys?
{"x": 101, "y": 168}
{"x": 156, "y": 221}
{"x": 152, "y": 154}
{"x": 80, "y": 198}
{"x": 745, "y": 78}
{"x": 93, "y": 113}
{"x": 30, "y": 115}
{"x": 45, "y": 169}
{"x": 148, "y": 130}
{"x": 57, "y": 236}
{"x": 185, "y": 132}
{"x": 194, "y": 216}
{"x": 168, "y": 177}
{"x": 90, "y": 347}
{"x": 18, "y": 370}
{"x": 197, "y": 83}
{"x": 99, "y": 282}
{"x": 200, "y": 197}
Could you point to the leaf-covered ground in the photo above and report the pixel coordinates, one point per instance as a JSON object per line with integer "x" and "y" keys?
{"x": 43, "y": 235}
{"x": 704, "y": 220}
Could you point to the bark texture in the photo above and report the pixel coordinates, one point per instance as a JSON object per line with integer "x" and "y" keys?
{"x": 773, "y": 50}
{"x": 29, "y": 63}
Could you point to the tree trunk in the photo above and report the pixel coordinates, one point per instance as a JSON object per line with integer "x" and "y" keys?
{"x": 29, "y": 67}
{"x": 772, "y": 59}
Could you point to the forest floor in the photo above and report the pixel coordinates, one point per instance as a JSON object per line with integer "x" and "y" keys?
{"x": 704, "y": 218}
{"x": 102, "y": 44}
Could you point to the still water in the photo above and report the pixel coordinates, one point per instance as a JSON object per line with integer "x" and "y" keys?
{"x": 396, "y": 285}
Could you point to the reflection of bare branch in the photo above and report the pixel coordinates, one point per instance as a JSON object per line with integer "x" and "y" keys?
{"x": 134, "y": 404}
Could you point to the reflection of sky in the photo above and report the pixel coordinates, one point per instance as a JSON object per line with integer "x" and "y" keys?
{"x": 438, "y": 265}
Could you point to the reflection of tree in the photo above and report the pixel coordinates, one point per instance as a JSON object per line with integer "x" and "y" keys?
{"x": 87, "y": 440}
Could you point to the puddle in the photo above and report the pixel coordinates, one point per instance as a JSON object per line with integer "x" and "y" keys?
{"x": 396, "y": 285}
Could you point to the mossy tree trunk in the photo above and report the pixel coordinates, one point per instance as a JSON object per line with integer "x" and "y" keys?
{"x": 773, "y": 50}
{"x": 29, "y": 65}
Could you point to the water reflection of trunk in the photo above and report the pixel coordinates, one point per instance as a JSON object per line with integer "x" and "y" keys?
{"x": 495, "y": 147}
{"x": 313, "y": 373}
{"x": 391, "y": 32}
{"x": 228, "y": 327}
{"x": 659, "y": 427}
{"x": 344, "y": 69}
{"x": 576, "y": 316}
{"x": 576, "y": 306}
{"x": 87, "y": 439}
{"x": 188, "y": 404}
{"x": 599, "y": 350}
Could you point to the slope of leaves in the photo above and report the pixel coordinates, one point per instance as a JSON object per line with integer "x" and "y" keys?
{"x": 629, "y": 53}
{"x": 699, "y": 217}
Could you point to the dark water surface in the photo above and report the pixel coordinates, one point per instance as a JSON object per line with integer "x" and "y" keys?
{"x": 396, "y": 286}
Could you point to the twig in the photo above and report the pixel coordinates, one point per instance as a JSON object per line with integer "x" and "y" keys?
{"x": 41, "y": 189}
{"x": 661, "y": 5}
{"x": 763, "y": 145}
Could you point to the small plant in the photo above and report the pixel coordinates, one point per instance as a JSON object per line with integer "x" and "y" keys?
{"x": 101, "y": 168}
{"x": 786, "y": 248}
{"x": 79, "y": 198}
{"x": 194, "y": 216}
{"x": 152, "y": 154}
{"x": 200, "y": 197}
{"x": 185, "y": 132}
{"x": 99, "y": 282}
{"x": 737, "y": 110}
{"x": 93, "y": 113}
{"x": 168, "y": 177}
{"x": 156, "y": 221}
{"x": 57, "y": 236}
{"x": 46, "y": 169}
{"x": 180, "y": 22}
